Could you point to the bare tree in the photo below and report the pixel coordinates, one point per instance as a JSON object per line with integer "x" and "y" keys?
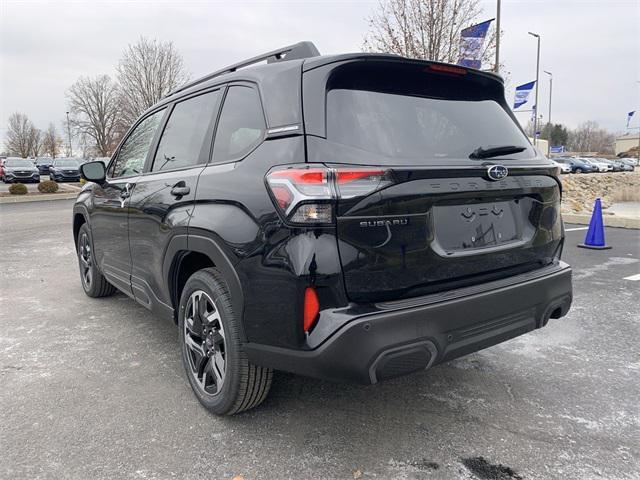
{"x": 147, "y": 72}
{"x": 19, "y": 139}
{"x": 425, "y": 29}
{"x": 96, "y": 114}
{"x": 37, "y": 141}
{"x": 88, "y": 147}
{"x": 589, "y": 137}
{"x": 52, "y": 143}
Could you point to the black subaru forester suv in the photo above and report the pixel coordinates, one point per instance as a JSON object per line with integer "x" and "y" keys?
{"x": 348, "y": 217}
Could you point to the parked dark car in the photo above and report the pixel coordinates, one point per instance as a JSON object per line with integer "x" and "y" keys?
{"x": 65, "y": 170}
{"x": 344, "y": 217}
{"x": 20, "y": 170}
{"x": 577, "y": 165}
{"x": 43, "y": 164}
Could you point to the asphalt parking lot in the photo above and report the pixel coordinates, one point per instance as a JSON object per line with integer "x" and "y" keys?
{"x": 94, "y": 388}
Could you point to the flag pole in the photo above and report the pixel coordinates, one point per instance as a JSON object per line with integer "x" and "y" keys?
{"x": 535, "y": 117}
{"x": 497, "y": 65}
{"x": 638, "y": 162}
{"x": 549, "y": 118}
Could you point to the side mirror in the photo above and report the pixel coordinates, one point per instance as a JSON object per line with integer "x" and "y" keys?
{"x": 93, "y": 171}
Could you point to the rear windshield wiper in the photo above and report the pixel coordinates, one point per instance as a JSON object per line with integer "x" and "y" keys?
{"x": 496, "y": 151}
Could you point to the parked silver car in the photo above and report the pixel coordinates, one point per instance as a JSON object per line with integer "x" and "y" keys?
{"x": 20, "y": 170}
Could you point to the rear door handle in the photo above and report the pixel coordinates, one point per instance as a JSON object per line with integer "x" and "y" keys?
{"x": 179, "y": 190}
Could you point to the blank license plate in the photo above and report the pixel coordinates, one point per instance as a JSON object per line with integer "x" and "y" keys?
{"x": 473, "y": 226}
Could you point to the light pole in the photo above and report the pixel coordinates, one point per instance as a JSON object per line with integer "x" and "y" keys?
{"x": 535, "y": 117}
{"x": 69, "y": 132}
{"x": 497, "y": 65}
{"x": 638, "y": 82}
{"x": 549, "y": 117}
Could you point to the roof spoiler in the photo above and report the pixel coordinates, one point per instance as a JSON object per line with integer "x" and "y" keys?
{"x": 291, "y": 52}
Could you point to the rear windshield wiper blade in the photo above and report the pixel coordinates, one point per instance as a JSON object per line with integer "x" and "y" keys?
{"x": 496, "y": 151}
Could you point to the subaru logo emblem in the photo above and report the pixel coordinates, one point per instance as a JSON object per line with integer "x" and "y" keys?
{"x": 497, "y": 172}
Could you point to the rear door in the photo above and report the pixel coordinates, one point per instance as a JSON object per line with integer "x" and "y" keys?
{"x": 162, "y": 200}
{"x": 423, "y": 215}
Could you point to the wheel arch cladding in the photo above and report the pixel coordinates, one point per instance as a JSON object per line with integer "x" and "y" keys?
{"x": 78, "y": 220}
{"x": 186, "y": 255}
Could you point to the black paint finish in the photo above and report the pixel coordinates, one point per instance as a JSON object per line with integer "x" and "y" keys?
{"x": 393, "y": 245}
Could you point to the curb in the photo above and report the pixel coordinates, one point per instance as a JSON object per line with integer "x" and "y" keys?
{"x": 38, "y": 198}
{"x": 632, "y": 223}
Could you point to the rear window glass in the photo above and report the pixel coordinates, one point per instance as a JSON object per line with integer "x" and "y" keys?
{"x": 405, "y": 110}
{"x": 414, "y": 127}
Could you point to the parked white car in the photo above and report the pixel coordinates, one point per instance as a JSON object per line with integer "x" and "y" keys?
{"x": 564, "y": 168}
{"x": 601, "y": 166}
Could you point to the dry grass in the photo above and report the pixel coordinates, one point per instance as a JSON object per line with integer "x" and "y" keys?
{"x": 626, "y": 194}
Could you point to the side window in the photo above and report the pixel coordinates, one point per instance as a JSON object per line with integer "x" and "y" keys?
{"x": 182, "y": 142}
{"x": 241, "y": 126}
{"x": 134, "y": 150}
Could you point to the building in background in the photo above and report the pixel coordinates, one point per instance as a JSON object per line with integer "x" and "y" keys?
{"x": 542, "y": 145}
{"x": 626, "y": 142}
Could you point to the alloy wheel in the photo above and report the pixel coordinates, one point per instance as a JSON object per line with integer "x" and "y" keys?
{"x": 204, "y": 338}
{"x": 86, "y": 262}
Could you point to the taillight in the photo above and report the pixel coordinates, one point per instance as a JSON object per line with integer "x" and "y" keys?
{"x": 307, "y": 193}
{"x": 353, "y": 183}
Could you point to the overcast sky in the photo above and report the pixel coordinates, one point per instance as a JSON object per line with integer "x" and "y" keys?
{"x": 591, "y": 47}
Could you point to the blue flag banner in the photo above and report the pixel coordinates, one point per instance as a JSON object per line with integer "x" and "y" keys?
{"x": 522, "y": 94}
{"x": 629, "y": 115}
{"x": 471, "y": 42}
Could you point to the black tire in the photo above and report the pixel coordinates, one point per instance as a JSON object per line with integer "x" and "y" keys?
{"x": 93, "y": 282}
{"x": 578, "y": 170}
{"x": 210, "y": 339}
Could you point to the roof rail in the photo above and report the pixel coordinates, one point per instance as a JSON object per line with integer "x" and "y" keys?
{"x": 292, "y": 52}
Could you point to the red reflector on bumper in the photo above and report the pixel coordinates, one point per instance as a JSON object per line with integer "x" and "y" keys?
{"x": 311, "y": 308}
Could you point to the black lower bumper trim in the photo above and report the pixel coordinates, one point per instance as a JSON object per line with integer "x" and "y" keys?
{"x": 392, "y": 342}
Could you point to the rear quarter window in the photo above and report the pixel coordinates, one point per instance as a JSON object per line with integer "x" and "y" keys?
{"x": 241, "y": 126}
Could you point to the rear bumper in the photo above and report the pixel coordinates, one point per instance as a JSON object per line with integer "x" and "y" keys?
{"x": 396, "y": 340}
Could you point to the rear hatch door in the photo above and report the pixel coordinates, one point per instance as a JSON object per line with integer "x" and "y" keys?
{"x": 415, "y": 214}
